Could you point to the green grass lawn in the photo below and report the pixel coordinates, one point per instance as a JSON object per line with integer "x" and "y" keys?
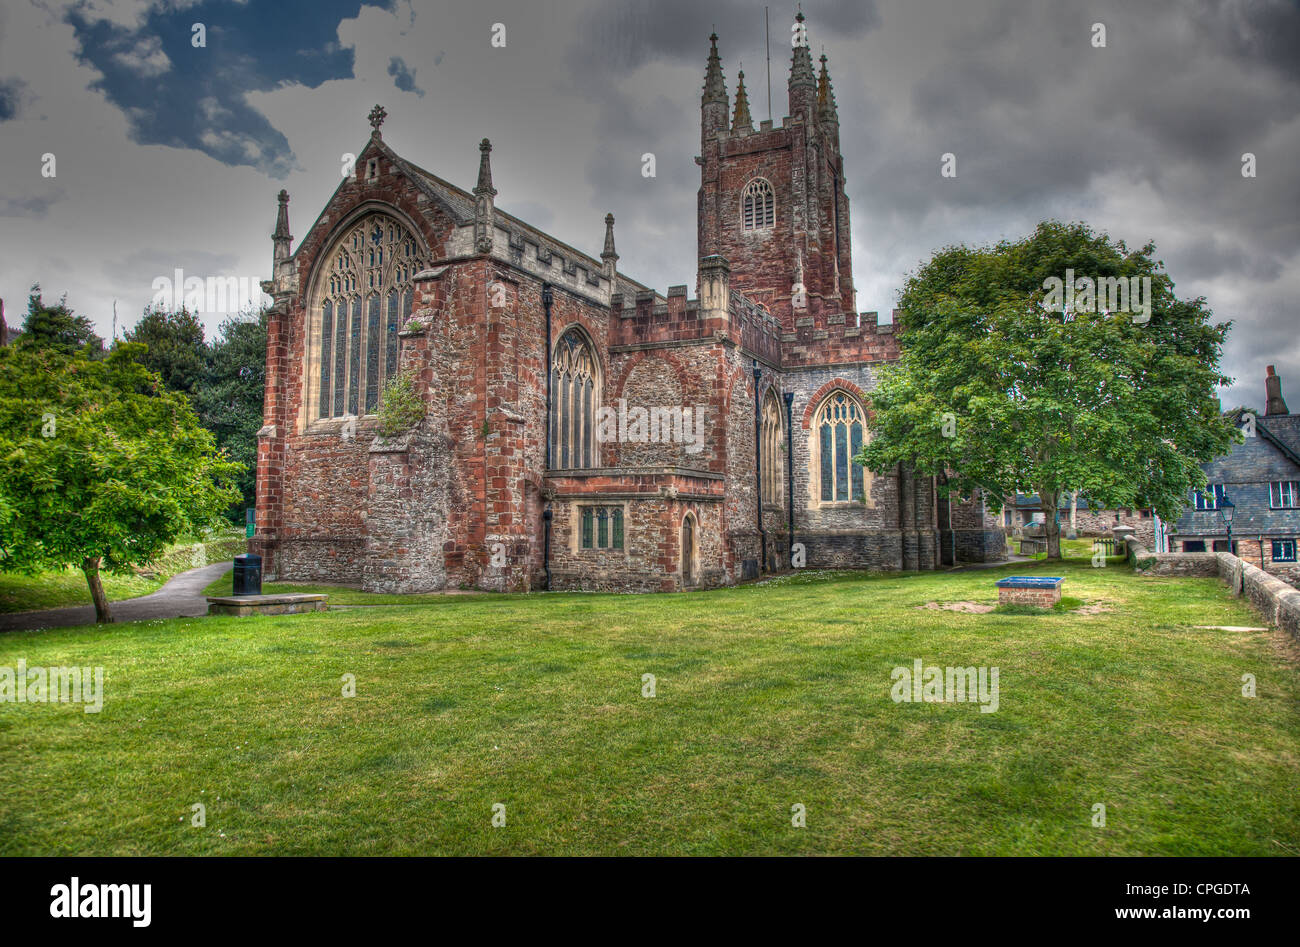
{"x": 56, "y": 589}
{"x": 767, "y": 696}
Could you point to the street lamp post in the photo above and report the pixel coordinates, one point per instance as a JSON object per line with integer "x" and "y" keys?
{"x": 1226, "y": 511}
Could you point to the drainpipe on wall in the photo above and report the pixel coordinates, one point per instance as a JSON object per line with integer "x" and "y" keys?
{"x": 546, "y": 545}
{"x": 789, "y": 464}
{"x": 548, "y": 298}
{"x": 758, "y": 470}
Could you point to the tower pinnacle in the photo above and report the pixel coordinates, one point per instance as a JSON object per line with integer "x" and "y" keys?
{"x": 741, "y": 120}
{"x": 484, "y": 185}
{"x": 826, "y": 111}
{"x": 281, "y": 239}
{"x": 484, "y": 206}
{"x": 608, "y": 255}
{"x": 715, "y": 88}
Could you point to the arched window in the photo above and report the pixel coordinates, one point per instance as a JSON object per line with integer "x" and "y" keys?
{"x": 575, "y": 396}
{"x": 689, "y": 549}
{"x": 837, "y": 438}
{"x": 772, "y": 454}
{"x": 757, "y": 206}
{"x": 360, "y": 301}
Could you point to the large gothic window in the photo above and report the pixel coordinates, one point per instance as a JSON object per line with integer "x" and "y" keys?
{"x": 837, "y": 438}
{"x": 770, "y": 431}
{"x": 362, "y": 297}
{"x": 575, "y": 396}
{"x": 757, "y": 205}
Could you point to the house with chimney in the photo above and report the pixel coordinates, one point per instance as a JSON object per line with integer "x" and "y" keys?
{"x": 1251, "y": 504}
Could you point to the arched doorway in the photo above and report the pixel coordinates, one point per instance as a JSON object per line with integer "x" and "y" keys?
{"x": 688, "y": 550}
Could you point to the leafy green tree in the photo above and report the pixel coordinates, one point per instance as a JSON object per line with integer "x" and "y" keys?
{"x": 1004, "y": 394}
{"x": 176, "y": 348}
{"x": 56, "y": 327}
{"x": 101, "y": 466}
{"x": 230, "y": 398}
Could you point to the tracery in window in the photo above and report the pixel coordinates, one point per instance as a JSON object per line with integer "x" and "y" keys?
{"x": 757, "y": 205}
{"x": 575, "y": 396}
{"x": 360, "y": 302}
{"x": 772, "y": 458}
{"x": 837, "y": 435}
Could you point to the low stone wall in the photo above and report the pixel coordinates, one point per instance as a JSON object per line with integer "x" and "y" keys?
{"x": 1275, "y": 601}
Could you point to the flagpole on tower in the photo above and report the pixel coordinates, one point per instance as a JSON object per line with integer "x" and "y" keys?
{"x": 767, "y": 41}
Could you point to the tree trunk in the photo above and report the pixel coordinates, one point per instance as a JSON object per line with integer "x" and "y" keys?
{"x": 1051, "y": 525}
{"x": 91, "y": 568}
{"x": 1074, "y": 510}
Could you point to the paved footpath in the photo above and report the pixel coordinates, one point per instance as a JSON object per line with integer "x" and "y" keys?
{"x": 181, "y": 597}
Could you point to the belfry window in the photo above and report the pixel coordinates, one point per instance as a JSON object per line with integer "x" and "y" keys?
{"x": 575, "y": 396}
{"x": 360, "y": 302}
{"x": 758, "y": 206}
{"x": 837, "y": 437}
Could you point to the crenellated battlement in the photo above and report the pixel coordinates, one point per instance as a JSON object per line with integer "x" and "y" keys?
{"x": 860, "y": 338}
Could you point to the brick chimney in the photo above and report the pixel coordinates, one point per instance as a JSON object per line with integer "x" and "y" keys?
{"x": 1273, "y": 401}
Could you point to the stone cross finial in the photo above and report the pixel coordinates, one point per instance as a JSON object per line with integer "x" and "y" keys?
{"x": 377, "y": 116}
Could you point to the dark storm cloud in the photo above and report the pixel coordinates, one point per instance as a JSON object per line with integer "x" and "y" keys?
{"x": 1264, "y": 33}
{"x": 176, "y": 94}
{"x": 1142, "y": 139}
{"x": 11, "y": 97}
{"x": 624, "y": 36}
{"x": 35, "y": 207}
{"x": 403, "y": 76}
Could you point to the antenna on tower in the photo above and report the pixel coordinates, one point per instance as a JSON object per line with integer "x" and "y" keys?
{"x": 767, "y": 42}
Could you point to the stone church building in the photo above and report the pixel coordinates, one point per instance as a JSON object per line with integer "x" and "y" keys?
{"x": 580, "y": 429}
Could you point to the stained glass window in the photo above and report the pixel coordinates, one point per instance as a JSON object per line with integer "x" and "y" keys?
{"x": 575, "y": 396}
{"x": 840, "y": 432}
{"x": 326, "y": 341}
{"x": 772, "y": 453}
{"x": 602, "y": 527}
{"x": 359, "y": 350}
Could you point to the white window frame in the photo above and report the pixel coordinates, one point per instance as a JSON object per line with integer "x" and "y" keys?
{"x": 1284, "y": 495}
{"x": 1209, "y": 498}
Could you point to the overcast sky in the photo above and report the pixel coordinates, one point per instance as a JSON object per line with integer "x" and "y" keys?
{"x": 170, "y": 156}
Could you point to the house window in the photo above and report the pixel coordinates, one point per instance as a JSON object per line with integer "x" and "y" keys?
{"x": 1284, "y": 494}
{"x": 361, "y": 298}
{"x": 575, "y": 396}
{"x": 1284, "y": 550}
{"x": 758, "y": 206}
{"x": 1210, "y": 497}
{"x": 602, "y": 527}
{"x": 771, "y": 441}
{"x": 1194, "y": 545}
{"x": 837, "y": 435}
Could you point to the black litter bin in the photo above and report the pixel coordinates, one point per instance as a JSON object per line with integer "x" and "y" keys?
{"x": 248, "y": 574}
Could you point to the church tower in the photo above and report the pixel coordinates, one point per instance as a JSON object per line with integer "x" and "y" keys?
{"x": 772, "y": 200}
